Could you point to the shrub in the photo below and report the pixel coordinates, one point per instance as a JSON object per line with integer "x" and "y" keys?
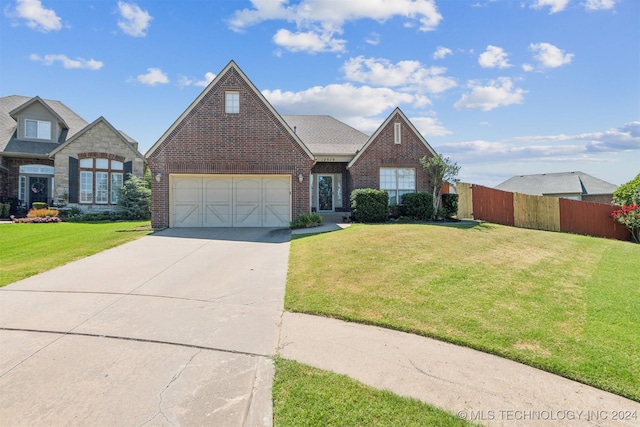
{"x": 629, "y": 216}
{"x": 418, "y": 206}
{"x": 307, "y": 220}
{"x": 370, "y": 205}
{"x": 39, "y": 205}
{"x": 4, "y": 210}
{"x": 42, "y": 212}
{"x": 450, "y": 205}
{"x": 134, "y": 201}
{"x": 94, "y": 217}
{"x": 629, "y": 193}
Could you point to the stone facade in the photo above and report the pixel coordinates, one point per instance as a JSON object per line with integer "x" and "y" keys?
{"x": 99, "y": 140}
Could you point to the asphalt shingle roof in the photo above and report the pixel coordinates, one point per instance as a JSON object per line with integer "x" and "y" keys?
{"x": 8, "y": 125}
{"x": 557, "y": 183}
{"x": 326, "y": 135}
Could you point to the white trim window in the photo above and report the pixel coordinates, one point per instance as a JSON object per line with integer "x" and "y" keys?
{"x": 37, "y": 129}
{"x": 232, "y": 102}
{"x": 100, "y": 180}
{"x": 396, "y": 182}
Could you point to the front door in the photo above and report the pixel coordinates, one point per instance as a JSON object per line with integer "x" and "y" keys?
{"x": 38, "y": 189}
{"x": 325, "y": 193}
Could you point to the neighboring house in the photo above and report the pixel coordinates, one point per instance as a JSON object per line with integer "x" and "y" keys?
{"x": 568, "y": 185}
{"x": 50, "y": 154}
{"x": 230, "y": 160}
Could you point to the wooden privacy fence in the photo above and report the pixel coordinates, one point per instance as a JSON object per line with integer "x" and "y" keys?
{"x": 538, "y": 212}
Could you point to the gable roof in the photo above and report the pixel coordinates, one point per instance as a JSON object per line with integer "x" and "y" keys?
{"x": 231, "y": 65}
{"x": 123, "y": 137}
{"x": 326, "y": 135}
{"x": 557, "y": 183}
{"x": 391, "y": 117}
{"x": 11, "y": 105}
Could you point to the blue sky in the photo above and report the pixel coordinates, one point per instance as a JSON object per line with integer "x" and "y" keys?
{"x": 501, "y": 87}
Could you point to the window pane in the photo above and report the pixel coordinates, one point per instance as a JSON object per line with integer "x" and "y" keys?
{"x": 31, "y": 129}
{"x": 116, "y": 165}
{"x": 406, "y": 179}
{"x": 86, "y": 163}
{"x": 393, "y": 197}
{"x": 232, "y": 103}
{"x": 86, "y": 187}
{"x": 116, "y": 184}
{"x": 102, "y": 163}
{"x": 338, "y": 195}
{"x": 102, "y": 187}
{"x": 387, "y": 179}
{"x": 44, "y": 130}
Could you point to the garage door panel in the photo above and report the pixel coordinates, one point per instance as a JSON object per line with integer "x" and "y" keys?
{"x": 231, "y": 201}
{"x": 217, "y": 202}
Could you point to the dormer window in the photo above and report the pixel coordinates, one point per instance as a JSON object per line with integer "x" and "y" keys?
{"x": 37, "y": 129}
{"x": 232, "y": 102}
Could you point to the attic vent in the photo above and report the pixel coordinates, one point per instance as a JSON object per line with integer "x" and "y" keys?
{"x": 295, "y": 129}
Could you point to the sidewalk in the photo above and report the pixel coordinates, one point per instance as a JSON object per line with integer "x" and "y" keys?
{"x": 477, "y": 386}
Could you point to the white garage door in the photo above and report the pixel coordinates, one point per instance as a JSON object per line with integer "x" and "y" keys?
{"x": 230, "y": 201}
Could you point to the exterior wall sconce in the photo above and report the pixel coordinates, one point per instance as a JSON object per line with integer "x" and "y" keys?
{"x": 158, "y": 176}
{"x": 300, "y": 177}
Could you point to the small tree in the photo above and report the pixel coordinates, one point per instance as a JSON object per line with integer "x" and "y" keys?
{"x": 134, "y": 200}
{"x": 439, "y": 170}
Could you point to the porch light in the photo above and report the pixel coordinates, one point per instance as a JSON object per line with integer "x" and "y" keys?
{"x": 158, "y": 176}
{"x": 300, "y": 177}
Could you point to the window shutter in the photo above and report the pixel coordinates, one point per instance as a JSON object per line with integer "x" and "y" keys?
{"x": 128, "y": 168}
{"x": 74, "y": 189}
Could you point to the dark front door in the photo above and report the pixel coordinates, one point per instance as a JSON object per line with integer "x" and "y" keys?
{"x": 38, "y": 189}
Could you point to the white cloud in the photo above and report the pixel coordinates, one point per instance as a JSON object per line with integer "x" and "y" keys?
{"x": 600, "y": 4}
{"x": 133, "y": 20}
{"x": 550, "y": 56}
{"x": 373, "y": 39}
{"x": 498, "y": 93}
{"x": 554, "y": 5}
{"x": 37, "y": 16}
{"x": 408, "y": 75}
{"x": 185, "y": 81}
{"x": 308, "y": 41}
{"x": 326, "y": 18}
{"x": 527, "y": 67}
{"x": 429, "y": 126}
{"x": 494, "y": 57}
{"x": 441, "y": 52}
{"x": 154, "y": 76}
{"x": 78, "y": 63}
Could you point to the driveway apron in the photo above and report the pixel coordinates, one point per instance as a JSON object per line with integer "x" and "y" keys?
{"x": 176, "y": 328}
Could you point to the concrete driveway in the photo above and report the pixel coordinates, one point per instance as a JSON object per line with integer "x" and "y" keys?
{"x": 175, "y": 328}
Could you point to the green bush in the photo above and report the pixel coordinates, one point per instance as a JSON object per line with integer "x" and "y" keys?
{"x": 418, "y": 206}
{"x": 4, "y": 210}
{"x": 629, "y": 193}
{"x": 134, "y": 201}
{"x": 370, "y": 205}
{"x": 39, "y": 205}
{"x": 450, "y": 205}
{"x": 102, "y": 216}
{"x": 307, "y": 220}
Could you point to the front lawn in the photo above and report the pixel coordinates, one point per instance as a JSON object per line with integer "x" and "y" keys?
{"x": 306, "y": 396}
{"x": 564, "y": 303}
{"x": 29, "y": 249}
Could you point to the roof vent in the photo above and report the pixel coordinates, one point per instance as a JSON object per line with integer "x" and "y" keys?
{"x": 295, "y": 128}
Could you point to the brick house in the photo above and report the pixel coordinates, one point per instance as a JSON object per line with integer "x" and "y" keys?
{"x": 231, "y": 160}
{"x": 50, "y": 154}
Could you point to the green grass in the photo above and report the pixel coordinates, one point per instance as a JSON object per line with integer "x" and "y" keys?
{"x": 306, "y": 396}
{"x": 29, "y": 249}
{"x": 564, "y": 303}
